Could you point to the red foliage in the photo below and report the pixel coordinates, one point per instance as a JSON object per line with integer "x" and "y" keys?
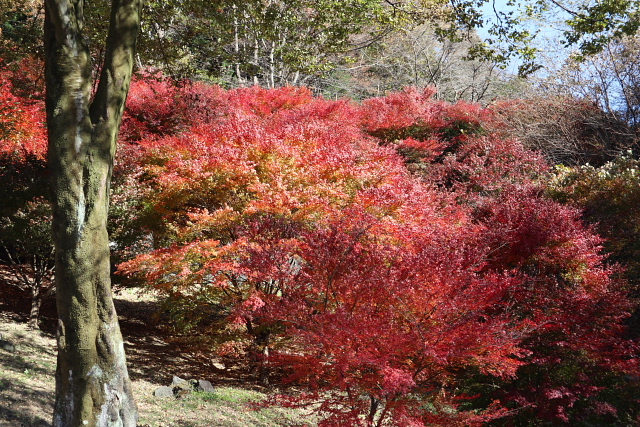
{"x": 25, "y": 215}
{"x": 22, "y": 124}
{"x": 26, "y": 76}
{"x": 415, "y": 114}
{"x": 379, "y": 290}
{"x": 387, "y": 309}
{"x": 265, "y": 102}
{"x": 158, "y": 106}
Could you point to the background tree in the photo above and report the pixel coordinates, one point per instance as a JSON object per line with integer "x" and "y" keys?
{"x": 482, "y": 173}
{"x": 608, "y": 79}
{"x": 609, "y": 198}
{"x": 416, "y": 56}
{"x": 92, "y": 383}
{"x": 25, "y": 224}
{"x": 568, "y": 130}
{"x": 20, "y": 29}
{"x": 271, "y": 43}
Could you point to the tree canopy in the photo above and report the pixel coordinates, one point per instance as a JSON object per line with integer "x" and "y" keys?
{"x": 275, "y": 43}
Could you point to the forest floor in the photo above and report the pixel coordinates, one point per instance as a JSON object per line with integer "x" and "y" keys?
{"x": 27, "y": 389}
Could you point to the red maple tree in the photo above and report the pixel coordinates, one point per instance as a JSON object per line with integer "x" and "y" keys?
{"x": 384, "y": 256}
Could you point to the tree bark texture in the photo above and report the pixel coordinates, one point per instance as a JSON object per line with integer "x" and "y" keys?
{"x": 92, "y": 382}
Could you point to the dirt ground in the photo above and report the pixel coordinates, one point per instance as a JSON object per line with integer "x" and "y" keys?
{"x": 27, "y": 374}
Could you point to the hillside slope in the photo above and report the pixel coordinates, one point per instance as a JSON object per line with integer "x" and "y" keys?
{"x": 27, "y": 386}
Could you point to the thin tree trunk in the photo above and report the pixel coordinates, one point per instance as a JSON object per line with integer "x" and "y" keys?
{"x": 272, "y": 66}
{"x": 92, "y": 384}
{"x": 36, "y": 303}
{"x": 256, "y": 60}
{"x": 236, "y": 46}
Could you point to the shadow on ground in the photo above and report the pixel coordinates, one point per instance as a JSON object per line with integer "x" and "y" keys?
{"x": 153, "y": 356}
{"x": 13, "y": 396}
{"x": 151, "y": 353}
{"x": 26, "y": 373}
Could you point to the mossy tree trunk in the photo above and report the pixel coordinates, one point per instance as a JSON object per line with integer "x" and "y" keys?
{"x": 92, "y": 383}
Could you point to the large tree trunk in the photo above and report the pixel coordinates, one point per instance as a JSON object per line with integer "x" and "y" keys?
{"x": 92, "y": 383}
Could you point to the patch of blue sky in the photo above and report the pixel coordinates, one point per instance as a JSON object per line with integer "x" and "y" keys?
{"x": 548, "y": 28}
